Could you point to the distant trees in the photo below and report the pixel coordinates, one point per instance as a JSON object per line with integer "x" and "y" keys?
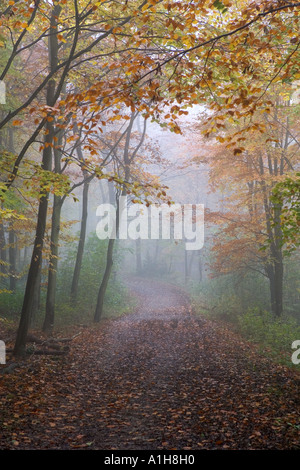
{"x": 251, "y": 233}
{"x": 129, "y": 162}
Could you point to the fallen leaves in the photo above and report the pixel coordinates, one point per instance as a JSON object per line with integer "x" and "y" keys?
{"x": 139, "y": 382}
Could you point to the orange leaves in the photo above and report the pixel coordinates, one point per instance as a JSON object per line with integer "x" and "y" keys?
{"x": 17, "y": 122}
{"x": 238, "y": 151}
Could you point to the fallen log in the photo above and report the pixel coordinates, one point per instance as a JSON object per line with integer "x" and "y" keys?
{"x": 9, "y": 368}
{"x": 47, "y": 352}
{"x": 34, "y": 339}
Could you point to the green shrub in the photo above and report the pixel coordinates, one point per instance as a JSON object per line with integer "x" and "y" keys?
{"x": 116, "y": 299}
{"x": 273, "y": 334}
{"x": 11, "y": 303}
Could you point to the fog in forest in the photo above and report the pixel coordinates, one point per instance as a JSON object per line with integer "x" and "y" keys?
{"x": 149, "y": 226}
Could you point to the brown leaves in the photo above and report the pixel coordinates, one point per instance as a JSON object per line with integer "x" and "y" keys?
{"x": 160, "y": 378}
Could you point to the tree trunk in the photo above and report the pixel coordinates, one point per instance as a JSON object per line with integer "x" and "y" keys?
{"x": 33, "y": 273}
{"x": 278, "y": 262}
{"x": 36, "y": 303}
{"x": 80, "y": 250}
{"x": 2, "y": 248}
{"x": 104, "y": 283}
{"x": 12, "y": 259}
{"x": 138, "y": 256}
{"x": 275, "y": 275}
{"x": 200, "y": 267}
{"x": 53, "y": 263}
{"x": 32, "y": 278}
{"x": 186, "y": 274}
{"x": 275, "y": 264}
{"x": 109, "y": 259}
{"x": 278, "y": 288}
{"x": 54, "y": 240}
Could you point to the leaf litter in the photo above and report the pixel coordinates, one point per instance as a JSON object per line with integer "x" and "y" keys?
{"x": 159, "y": 378}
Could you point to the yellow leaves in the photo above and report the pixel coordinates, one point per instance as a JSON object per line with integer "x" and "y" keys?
{"x": 8, "y": 214}
{"x": 61, "y": 38}
{"x": 174, "y": 128}
{"x": 118, "y": 117}
{"x": 238, "y": 151}
{"x": 71, "y": 138}
{"x": 96, "y": 5}
{"x": 188, "y": 41}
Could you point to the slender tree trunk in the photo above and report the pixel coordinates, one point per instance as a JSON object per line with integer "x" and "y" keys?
{"x": 109, "y": 256}
{"x": 36, "y": 303}
{"x": 109, "y": 259}
{"x": 138, "y": 256}
{"x": 33, "y": 273}
{"x": 12, "y": 259}
{"x": 53, "y": 264}
{"x": 83, "y": 227}
{"x": 54, "y": 241}
{"x": 186, "y": 274}
{"x": 104, "y": 283}
{"x": 190, "y": 265}
{"x": 278, "y": 288}
{"x": 2, "y": 248}
{"x": 200, "y": 267}
{"x": 81, "y": 243}
{"x": 275, "y": 236}
{"x": 276, "y": 247}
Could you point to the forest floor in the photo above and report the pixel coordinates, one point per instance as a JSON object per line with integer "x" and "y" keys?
{"x": 158, "y": 378}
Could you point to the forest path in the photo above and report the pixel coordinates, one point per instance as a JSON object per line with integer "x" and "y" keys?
{"x": 159, "y": 378}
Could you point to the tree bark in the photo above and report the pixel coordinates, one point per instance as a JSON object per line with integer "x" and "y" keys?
{"x": 12, "y": 259}
{"x": 83, "y": 226}
{"x": 138, "y": 256}
{"x": 36, "y": 303}
{"x": 20, "y": 344}
{"x": 53, "y": 264}
{"x": 2, "y": 248}
{"x": 276, "y": 249}
{"x": 81, "y": 243}
{"x": 275, "y": 271}
{"x": 127, "y": 160}
{"x": 33, "y": 273}
{"x": 104, "y": 283}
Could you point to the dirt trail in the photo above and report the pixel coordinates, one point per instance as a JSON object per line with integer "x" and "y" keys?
{"x": 160, "y": 378}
